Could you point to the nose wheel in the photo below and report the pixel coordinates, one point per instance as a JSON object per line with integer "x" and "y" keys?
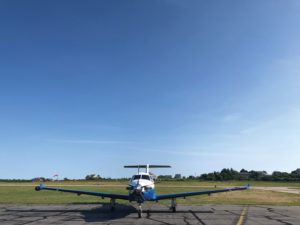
{"x": 140, "y": 210}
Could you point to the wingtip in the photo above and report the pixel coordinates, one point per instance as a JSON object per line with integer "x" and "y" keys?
{"x": 248, "y": 186}
{"x": 38, "y": 188}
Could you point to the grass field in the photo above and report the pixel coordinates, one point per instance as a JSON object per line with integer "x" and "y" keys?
{"x": 25, "y": 193}
{"x": 167, "y": 183}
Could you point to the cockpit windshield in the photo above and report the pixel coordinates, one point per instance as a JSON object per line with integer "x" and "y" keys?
{"x": 136, "y": 177}
{"x": 145, "y": 177}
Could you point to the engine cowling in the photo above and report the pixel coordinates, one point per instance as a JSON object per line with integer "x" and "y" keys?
{"x": 129, "y": 188}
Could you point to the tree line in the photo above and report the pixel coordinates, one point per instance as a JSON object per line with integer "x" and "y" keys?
{"x": 223, "y": 175}
{"x": 231, "y": 174}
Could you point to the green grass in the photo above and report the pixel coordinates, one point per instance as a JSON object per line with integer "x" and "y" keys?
{"x": 168, "y": 183}
{"x": 27, "y": 195}
{"x": 231, "y": 183}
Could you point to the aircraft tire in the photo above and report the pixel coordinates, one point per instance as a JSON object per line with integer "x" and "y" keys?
{"x": 173, "y": 209}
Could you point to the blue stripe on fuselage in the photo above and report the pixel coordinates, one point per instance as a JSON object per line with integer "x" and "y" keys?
{"x": 149, "y": 195}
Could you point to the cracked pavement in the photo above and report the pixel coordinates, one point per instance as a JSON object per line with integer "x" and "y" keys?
{"x": 20, "y": 214}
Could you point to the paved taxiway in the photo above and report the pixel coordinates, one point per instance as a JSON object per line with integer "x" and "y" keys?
{"x": 153, "y": 214}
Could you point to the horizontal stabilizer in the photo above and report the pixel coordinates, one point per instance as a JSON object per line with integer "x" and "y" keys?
{"x": 148, "y": 166}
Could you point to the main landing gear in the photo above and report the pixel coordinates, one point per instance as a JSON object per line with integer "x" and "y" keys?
{"x": 140, "y": 211}
{"x": 173, "y": 205}
{"x": 112, "y": 204}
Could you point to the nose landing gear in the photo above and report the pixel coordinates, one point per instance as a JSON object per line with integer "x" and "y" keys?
{"x": 140, "y": 211}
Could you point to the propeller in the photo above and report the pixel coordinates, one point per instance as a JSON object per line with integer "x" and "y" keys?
{"x": 138, "y": 189}
{"x": 138, "y": 192}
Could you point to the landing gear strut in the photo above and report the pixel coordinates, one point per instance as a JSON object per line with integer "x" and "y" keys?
{"x": 140, "y": 210}
{"x": 112, "y": 204}
{"x": 173, "y": 205}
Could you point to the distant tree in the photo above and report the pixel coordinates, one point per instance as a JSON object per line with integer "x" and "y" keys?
{"x": 217, "y": 176}
{"x": 225, "y": 174}
{"x": 211, "y": 176}
{"x": 267, "y": 178}
{"x": 243, "y": 171}
{"x": 203, "y": 176}
{"x": 254, "y": 175}
{"x": 294, "y": 172}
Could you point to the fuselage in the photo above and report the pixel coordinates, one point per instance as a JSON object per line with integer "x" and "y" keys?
{"x": 141, "y": 187}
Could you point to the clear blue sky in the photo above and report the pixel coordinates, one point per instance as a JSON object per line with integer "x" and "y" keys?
{"x": 89, "y": 86}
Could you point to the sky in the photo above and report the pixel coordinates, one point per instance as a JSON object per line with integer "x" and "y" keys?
{"x": 90, "y": 86}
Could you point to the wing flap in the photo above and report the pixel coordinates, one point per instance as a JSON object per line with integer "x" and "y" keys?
{"x": 185, "y": 194}
{"x": 79, "y": 192}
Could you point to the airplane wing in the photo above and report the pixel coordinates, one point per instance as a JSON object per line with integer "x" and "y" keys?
{"x": 185, "y": 194}
{"x": 78, "y": 192}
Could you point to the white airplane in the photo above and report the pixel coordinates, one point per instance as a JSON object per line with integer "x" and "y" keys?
{"x": 141, "y": 188}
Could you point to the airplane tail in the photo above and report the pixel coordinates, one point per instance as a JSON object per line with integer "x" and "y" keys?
{"x": 148, "y": 166}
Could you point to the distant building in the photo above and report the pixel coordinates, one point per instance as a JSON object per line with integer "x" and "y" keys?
{"x": 92, "y": 177}
{"x": 41, "y": 179}
{"x": 245, "y": 174}
{"x": 177, "y": 176}
{"x": 38, "y": 179}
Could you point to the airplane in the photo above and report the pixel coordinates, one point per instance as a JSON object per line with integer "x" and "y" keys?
{"x": 141, "y": 189}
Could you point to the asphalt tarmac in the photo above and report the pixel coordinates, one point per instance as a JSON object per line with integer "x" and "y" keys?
{"x": 153, "y": 214}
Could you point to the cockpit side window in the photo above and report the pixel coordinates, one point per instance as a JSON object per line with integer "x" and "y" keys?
{"x": 145, "y": 177}
{"x": 151, "y": 178}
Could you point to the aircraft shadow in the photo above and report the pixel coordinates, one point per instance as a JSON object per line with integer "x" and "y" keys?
{"x": 100, "y": 213}
{"x": 103, "y": 213}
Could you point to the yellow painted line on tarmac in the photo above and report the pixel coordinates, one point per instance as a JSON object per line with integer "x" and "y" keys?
{"x": 241, "y": 219}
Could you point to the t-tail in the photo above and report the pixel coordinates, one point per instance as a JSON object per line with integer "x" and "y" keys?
{"x": 147, "y": 166}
